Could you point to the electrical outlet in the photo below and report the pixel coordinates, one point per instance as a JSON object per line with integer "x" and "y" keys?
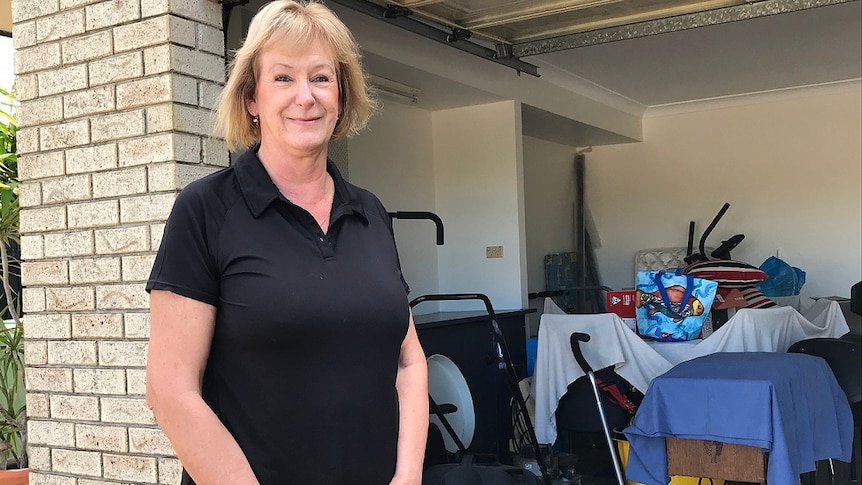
{"x": 494, "y": 252}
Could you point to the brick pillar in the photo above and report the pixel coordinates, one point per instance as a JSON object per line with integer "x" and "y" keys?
{"x": 114, "y": 120}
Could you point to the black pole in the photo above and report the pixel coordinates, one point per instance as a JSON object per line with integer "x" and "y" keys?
{"x": 580, "y": 234}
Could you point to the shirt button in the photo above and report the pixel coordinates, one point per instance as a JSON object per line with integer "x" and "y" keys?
{"x": 321, "y": 239}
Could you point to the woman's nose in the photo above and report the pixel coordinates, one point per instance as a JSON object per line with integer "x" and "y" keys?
{"x": 304, "y": 93}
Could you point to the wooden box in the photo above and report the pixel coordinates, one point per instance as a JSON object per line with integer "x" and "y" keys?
{"x": 714, "y": 459}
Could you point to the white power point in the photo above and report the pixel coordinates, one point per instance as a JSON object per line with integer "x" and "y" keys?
{"x": 494, "y": 251}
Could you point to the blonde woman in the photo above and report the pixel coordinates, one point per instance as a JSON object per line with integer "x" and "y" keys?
{"x": 282, "y": 349}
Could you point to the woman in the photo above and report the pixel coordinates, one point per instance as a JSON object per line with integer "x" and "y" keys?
{"x": 282, "y": 349}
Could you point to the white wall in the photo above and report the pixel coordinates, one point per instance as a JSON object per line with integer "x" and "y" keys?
{"x": 789, "y": 163}
{"x": 479, "y": 192}
{"x": 393, "y": 158}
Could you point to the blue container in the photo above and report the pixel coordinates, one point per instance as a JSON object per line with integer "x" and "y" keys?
{"x": 532, "y": 350}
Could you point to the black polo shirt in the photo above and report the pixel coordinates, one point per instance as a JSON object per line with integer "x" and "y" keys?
{"x": 309, "y": 326}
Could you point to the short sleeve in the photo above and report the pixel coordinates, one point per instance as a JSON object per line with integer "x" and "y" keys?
{"x": 185, "y": 263}
{"x": 381, "y": 210}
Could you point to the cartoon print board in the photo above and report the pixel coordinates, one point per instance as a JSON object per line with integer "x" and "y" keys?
{"x": 447, "y": 385}
{"x": 672, "y": 306}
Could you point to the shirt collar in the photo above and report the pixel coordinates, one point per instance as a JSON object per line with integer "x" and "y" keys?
{"x": 259, "y": 191}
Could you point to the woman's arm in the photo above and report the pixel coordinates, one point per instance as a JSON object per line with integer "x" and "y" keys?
{"x": 412, "y": 386}
{"x": 181, "y": 330}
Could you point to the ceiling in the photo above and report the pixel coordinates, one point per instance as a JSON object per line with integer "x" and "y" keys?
{"x": 657, "y": 52}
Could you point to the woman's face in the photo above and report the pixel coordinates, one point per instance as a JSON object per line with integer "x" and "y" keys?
{"x": 296, "y": 97}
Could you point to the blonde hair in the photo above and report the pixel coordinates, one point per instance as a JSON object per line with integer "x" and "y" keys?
{"x": 302, "y": 23}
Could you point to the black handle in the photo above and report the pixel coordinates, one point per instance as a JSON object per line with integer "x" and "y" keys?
{"x": 575, "y": 340}
{"x": 422, "y": 215}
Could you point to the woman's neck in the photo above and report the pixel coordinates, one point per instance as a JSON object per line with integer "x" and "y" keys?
{"x": 304, "y": 181}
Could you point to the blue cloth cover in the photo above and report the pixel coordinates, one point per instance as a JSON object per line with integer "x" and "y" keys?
{"x": 788, "y": 404}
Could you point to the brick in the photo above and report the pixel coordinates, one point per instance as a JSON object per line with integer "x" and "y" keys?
{"x": 121, "y": 125}
{"x": 94, "y": 214}
{"x": 24, "y": 34}
{"x": 155, "y": 207}
{"x": 51, "y": 433}
{"x": 40, "y": 165}
{"x": 86, "y": 48}
{"x": 114, "y": 12}
{"x": 121, "y": 182}
{"x": 208, "y": 93}
{"x": 30, "y": 194}
{"x": 159, "y": 118}
{"x": 27, "y": 140}
{"x": 67, "y": 4}
{"x": 183, "y": 32}
{"x": 97, "y": 325}
{"x": 159, "y": 148}
{"x": 216, "y": 153}
{"x": 94, "y": 270}
{"x": 48, "y": 379}
{"x": 204, "y": 11}
{"x": 156, "y": 233}
{"x": 67, "y": 189}
{"x": 184, "y": 89}
{"x": 144, "y": 92}
{"x": 170, "y": 470}
{"x": 142, "y": 34}
{"x": 198, "y": 64}
{"x": 123, "y": 354}
{"x": 67, "y": 135}
{"x": 116, "y": 68}
{"x": 72, "y": 352}
{"x": 192, "y": 120}
{"x": 99, "y": 381}
{"x": 44, "y": 463}
{"x": 63, "y": 25}
{"x": 103, "y": 438}
{"x": 62, "y": 80}
{"x": 33, "y": 299}
{"x": 42, "y": 220}
{"x": 40, "y": 111}
{"x": 79, "y": 243}
{"x": 34, "y": 273}
{"x": 35, "y": 353}
{"x": 94, "y": 158}
{"x": 122, "y": 240}
{"x": 32, "y": 247}
{"x": 90, "y": 102}
{"x": 37, "y": 58}
{"x": 26, "y": 10}
{"x": 157, "y": 59}
{"x": 149, "y": 441}
{"x": 137, "y": 325}
{"x": 211, "y": 39}
{"x": 137, "y": 268}
{"x": 76, "y": 462}
{"x": 121, "y": 297}
{"x": 48, "y": 326}
{"x": 26, "y": 87}
{"x": 70, "y": 299}
{"x": 77, "y": 408}
{"x": 155, "y": 7}
{"x": 136, "y": 382}
{"x": 37, "y": 403}
{"x": 126, "y": 410}
{"x": 138, "y": 469}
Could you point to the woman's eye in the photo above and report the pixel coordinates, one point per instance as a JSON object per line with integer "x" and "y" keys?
{"x": 320, "y": 79}
{"x": 282, "y": 78}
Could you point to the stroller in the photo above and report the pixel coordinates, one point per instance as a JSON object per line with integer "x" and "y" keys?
{"x": 482, "y": 468}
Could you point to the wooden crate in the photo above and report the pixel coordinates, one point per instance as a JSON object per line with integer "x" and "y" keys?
{"x": 714, "y": 459}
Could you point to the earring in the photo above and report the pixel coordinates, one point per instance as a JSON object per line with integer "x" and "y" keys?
{"x": 255, "y": 120}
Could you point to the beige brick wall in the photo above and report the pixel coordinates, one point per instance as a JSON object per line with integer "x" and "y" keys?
{"x": 114, "y": 120}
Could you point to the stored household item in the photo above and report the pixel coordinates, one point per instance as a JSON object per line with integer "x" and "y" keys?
{"x": 623, "y": 449}
{"x": 784, "y": 280}
{"x": 672, "y": 306}
{"x": 722, "y": 251}
{"x": 845, "y": 359}
{"x": 447, "y": 386}
{"x": 575, "y": 341}
{"x": 486, "y": 469}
